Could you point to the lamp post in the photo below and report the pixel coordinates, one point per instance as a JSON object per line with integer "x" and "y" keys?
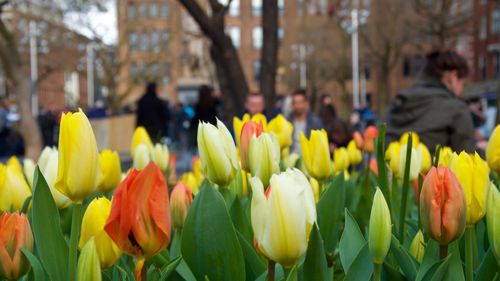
{"x": 90, "y": 74}
{"x": 33, "y": 67}
{"x": 354, "y": 17}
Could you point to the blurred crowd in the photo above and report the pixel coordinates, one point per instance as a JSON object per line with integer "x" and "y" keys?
{"x": 434, "y": 108}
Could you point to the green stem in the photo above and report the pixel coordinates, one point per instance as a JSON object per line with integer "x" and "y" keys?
{"x": 76, "y": 220}
{"x": 404, "y": 195}
{"x": 378, "y": 272}
{"x": 420, "y": 183}
{"x": 443, "y": 251}
{"x": 469, "y": 253}
{"x": 270, "y": 270}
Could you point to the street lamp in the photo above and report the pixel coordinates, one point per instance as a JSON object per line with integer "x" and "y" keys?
{"x": 357, "y": 15}
{"x": 33, "y": 66}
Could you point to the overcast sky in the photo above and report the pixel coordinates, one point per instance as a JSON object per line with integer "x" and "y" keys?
{"x": 104, "y": 23}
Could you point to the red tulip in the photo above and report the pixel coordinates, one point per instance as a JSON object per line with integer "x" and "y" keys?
{"x": 442, "y": 206}
{"x": 250, "y": 129}
{"x": 180, "y": 199}
{"x": 370, "y": 134}
{"x": 15, "y": 234}
{"x": 139, "y": 222}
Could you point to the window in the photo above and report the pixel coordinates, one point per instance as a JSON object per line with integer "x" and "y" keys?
{"x": 256, "y": 70}
{"x": 165, "y": 39}
{"x": 496, "y": 62}
{"x": 132, "y": 41}
{"x": 495, "y": 21}
{"x": 417, "y": 64}
{"x": 155, "y": 41}
{"x": 166, "y": 74}
{"x": 144, "y": 42}
{"x": 406, "y": 67}
{"x": 153, "y": 10}
{"x": 483, "y": 28}
{"x": 281, "y": 7}
{"x": 131, "y": 12}
{"x": 154, "y": 71}
{"x": 234, "y": 34}
{"x": 257, "y": 37}
{"x": 234, "y": 8}
{"x": 482, "y": 67}
{"x": 164, "y": 11}
{"x": 141, "y": 13}
{"x": 257, "y": 8}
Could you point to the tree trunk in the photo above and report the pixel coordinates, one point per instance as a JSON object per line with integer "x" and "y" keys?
{"x": 269, "y": 53}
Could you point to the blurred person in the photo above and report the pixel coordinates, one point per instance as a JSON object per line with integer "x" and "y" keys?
{"x": 337, "y": 129}
{"x": 153, "y": 113}
{"x": 206, "y": 108}
{"x": 255, "y": 104}
{"x": 49, "y": 123}
{"x": 433, "y": 106}
{"x": 302, "y": 118}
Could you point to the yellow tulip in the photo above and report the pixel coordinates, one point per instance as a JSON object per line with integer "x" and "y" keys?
{"x": 140, "y": 136}
{"x": 355, "y": 155}
{"x": 29, "y": 170}
{"x": 260, "y": 118}
{"x": 15, "y": 164}
{"x": 473, "y": 174}
{"x": 290, "y": 161}
{"x": 315, "y": 189}
{"x": 197, "y": 171}
{"x": 379, "y": 236}
{"x": 190, "y": 180}
{"x": 14, "y": 190}
{"x": 414, "y": 136}
{"x": 283, "y": 221}
{"x": 238, "y": 126}
{"x": 88, "y": 268}
{"x": 316, "y": 154}
{"x": 415, "y": 162}
{"x": 393, "y": 155}
{"x": 340, "y": 159}
{"x": 282, "y": 129}
{"x": 111, "y": 170}
{"x": 44, "y": 156}
{"x": 264, "y": 156}
{"x": 493, "y": 150}
{"x": 141, "y": 156}
{"x": 445, "y": 155}
{"x": 417, "y": 247}
{"x": 93, "y": 223}
{"x": 49, "y": 167}
{"x": 493, "y": 220}
{"x": 78, "y": 167}
{"x": 218, "y": 156}
{"x": 160, "y": 155}
{"x": 426, "y": 157}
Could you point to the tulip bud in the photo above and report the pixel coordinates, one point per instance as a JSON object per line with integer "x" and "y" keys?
{"x": 49, "y": 168}
{"x": 260, "y": 118}
{"x": 315, "y": 188}
{"x": 290, "y": 161}
{"x": 358, "y": 140}
{"x": 14, "y": 190}
{"x": 355, "y": 155}
{"x": 143, "y": 194}
{"x": 111, "y": 170}
{"x": 492, "y": 220}
{"x": 414, "y": 137}
{"x": 442, "y": 206}
{"x": 218, "y": 156}
{"x": 44, "y": 156}
{"x": 282, "y": 129}
{"x": 316, "y": 154}
{"x": 493, "y": 150}
{"x": 250, "y": 129}
{"x": 379, "y": 236}
{"x": 160, "y": 155}
{"x": 473, "y": 174}
{"x": 393, "y": 155}
{"x": 445, "y": 154}
{"x": 15, "y": 234}
{"x": 370, "y": 134}
{"x": 141, "y": 156}
{"x": 238, "y": 126}
{"x": 140, "y": 136}
{"x": 88, "y": 268}
{"x": 29, "y": 170}
{"x": 426, "y": 157}
{"x": 190, "y": 180}
{"x": 340, "y": 160}
{"x": 78, "y": 167}
{"x": 180, "y": 200}
{"x": 93, "y": 223}
{"x": 415, "y": 162}
{"x": 283, "y": 221}
{"x": 373, "y": 166}
{"x": 417, "y": 247}
{"x": 14, "y": 163}
{"x": 264, "y": 156}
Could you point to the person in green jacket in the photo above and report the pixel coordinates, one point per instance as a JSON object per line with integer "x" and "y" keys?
{"x": 433, "y": 107}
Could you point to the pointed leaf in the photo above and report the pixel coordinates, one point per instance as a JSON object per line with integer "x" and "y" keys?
{"x": 489, "y": 268}
{"x": 361, "y": 268}
{"x": 315, "y": 266}
{"x": 169, "y": 268}
{"x": 254, "y": 264}
{"x": 406, "y": 262}
{"x": 351, "y": 242}
{"x": 37, "y": 269}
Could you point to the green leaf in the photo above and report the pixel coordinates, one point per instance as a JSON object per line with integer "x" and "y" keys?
{"x": 431, "y": 259}
{"x": 52, "y": 249}
{"x": 406, "y": 262}
{"x": 488, "y": 268}
{"x": 351, "y": 242}
{"x": 254, "y": 264}
{"x": 26, "y": 205}
{"x": 442, "y": 271}
{"x": 391, "y": 273}
{"x": 38, "y": 272}
{"x": 383, "y": 180}
{"x": 169, "y": 268}
{"x": 315, "y": 266}
{"x": 292, "y": 275}
{"x": 361, "y": 268}
{"x": 330, "y": 209}
{"x": 209, "y": 243}
{"x": 455, "y": 269}
{"x": 240, "y": 219}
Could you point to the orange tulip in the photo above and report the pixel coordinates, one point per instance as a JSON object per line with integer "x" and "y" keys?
{"x": 373, "y": 166}
{"x": 358, "y": 139}
{"x": 442, "y": 206}
{"x": 139, "y": 222}
{"x": 369, "y": 136}
{"x": 250, "y": 129}
{"x": 180, "y": 199}
{"x": 15, "y": 234}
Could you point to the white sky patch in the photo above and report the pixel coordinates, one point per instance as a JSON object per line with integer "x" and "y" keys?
{"x": 96, "y": 23}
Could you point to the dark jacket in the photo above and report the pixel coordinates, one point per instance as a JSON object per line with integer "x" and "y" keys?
{"x": 312, "y": 123}
{"x": 432, "y": 111}
{"x": 153, "y": 114}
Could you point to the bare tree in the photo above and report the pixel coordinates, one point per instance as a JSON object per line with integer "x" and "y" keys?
{"x": 232, "y": 82}
{"x": 269, "y": 53}
{"x": 436, "y": 20}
